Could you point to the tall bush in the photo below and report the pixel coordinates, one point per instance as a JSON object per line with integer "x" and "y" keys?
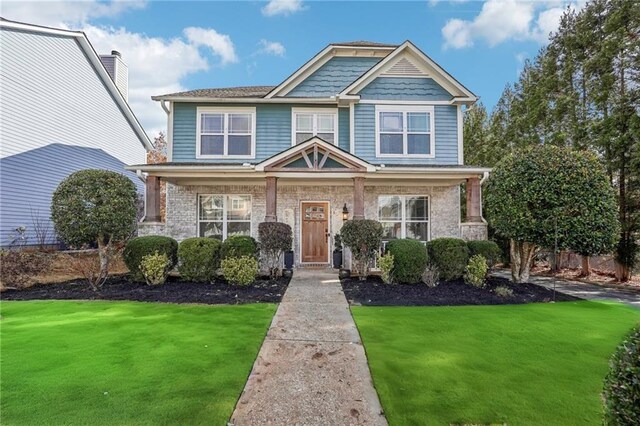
{"x": 364, "y": 238}
{"x": 410, "y": 260}
{"x": 449, "y": 255}
{"x": 139, "y": 247}
{"x": 275, "y": 239}
{"x": 199, "y": 259}
{"x": 622, "y": 384}
{"x": 238, "y": 246}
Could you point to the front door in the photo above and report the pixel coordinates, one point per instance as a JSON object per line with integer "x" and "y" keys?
{"x": 315, "y": 232}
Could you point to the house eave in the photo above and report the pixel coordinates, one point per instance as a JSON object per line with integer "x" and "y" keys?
{"x": 189, "y": 99}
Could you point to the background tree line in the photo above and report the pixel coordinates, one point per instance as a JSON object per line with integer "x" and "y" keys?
{"x": 581, "y": 91}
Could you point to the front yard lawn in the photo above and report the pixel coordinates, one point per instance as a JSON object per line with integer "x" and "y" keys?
{"x": 125, "y": 362}
{"x": 535, "y": 364}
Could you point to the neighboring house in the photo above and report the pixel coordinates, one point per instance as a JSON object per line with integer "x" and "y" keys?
{"x": 60, "y": 111}
{"x": 371, "y": 129}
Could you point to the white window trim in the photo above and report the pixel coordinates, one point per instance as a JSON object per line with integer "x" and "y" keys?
{"x": 403, "y": 215}
{"x": 225, "y": 220}
{"x": 226, "y": 111}
{"x": 407, "y": 109}
{"x": 333, "y": 111}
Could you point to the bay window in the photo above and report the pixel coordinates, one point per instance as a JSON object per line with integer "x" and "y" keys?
{"x": 404, "y": 216}
{"x": 225, "y": 133}
{"x": 220, "y": 216}
{"x": 405, "y": 131}
{"x": 307, "y": 123}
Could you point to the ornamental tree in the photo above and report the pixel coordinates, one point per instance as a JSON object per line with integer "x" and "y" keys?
{"x": 545, "y": 196}
{"x": 364, "y": 238}
{"x": 95, "y": 207}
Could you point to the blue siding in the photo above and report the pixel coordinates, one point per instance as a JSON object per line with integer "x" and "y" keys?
{"x": 333, "y": 77}
{"x": 396, "y": 88}
{"x": 446, "y": 133}
{"x": 343, "y": 125}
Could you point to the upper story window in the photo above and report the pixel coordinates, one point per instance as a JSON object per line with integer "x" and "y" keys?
{"x": 405, "y": 131}
{"x": 226, "y": 133}
{"x": 307, "y": 123}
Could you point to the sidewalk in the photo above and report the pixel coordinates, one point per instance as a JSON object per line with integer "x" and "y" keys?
{"x": 312, "y": 368}
{"x": 582, "y": 290}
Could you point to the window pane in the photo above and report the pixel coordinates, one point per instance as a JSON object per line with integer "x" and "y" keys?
{"x": 391, "y": 122}
{"x": 238, "y": 228}
{"x": 301, "y": 137}
{"x": 239, "y": 123}
{"x": 239, "y": 145}
{"x": 327, "y": 137}
{"x": 325, "y": 123}
{"x": 418, "y": 230}
{"x": 418, "y": 144}
{"x": 211, "y": 207}
{"x": 391, "y": 230}
{"x": 239, "y": 207}
{"x": 304, "y": 122}
{"x": 212, "y": 145}
{"x": 417, "y": 208}
{"x": 418, "y": 121}
{"x": 212, "y": 123}
{"x": 211, "y": 229}
{"x": 390, "y": 143}
{"x": 389, "y": 207}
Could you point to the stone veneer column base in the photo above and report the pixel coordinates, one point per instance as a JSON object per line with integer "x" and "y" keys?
{"x": 474, "y": 231}
{"x": 151, "y": 228}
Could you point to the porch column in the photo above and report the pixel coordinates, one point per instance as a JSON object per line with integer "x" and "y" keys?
{"x": 473, "y": 200}
{"x": 271, "y": 214}
{"x": 152, "y": 199}
{"x": 358, "y": 197}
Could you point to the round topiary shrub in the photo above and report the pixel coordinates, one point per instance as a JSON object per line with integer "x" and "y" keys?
{"x": 409, "y": 260}
{"x": 364, "y": 238}
{"x": 139, "y": 247}
{"x": 487, "y": 249}
{"x": 199, "y": 259}
{"x": 449, "y": 255}
{"x": 622, "y": 384}
{"x": 238, "y": 246}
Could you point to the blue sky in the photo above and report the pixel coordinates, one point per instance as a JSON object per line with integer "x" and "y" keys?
{"x": 171, "y": 46}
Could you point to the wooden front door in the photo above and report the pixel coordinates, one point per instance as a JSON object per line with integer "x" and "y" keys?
{"x": 315, "y": 232}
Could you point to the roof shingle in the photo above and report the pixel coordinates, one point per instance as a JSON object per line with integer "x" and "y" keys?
{"x": 226, "y": 92}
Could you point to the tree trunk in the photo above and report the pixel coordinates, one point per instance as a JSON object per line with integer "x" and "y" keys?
{"x": 104, "y": 253}
{"x": 623, "y": 272}
{"x": 586, "y": 268}
{"x": 522, "y": 254}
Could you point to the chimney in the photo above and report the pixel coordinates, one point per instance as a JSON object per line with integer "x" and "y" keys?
{"x": 118, "y": 71}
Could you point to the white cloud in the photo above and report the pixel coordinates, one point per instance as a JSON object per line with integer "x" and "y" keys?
{"x": 271, "y": 48}
{"x": 503, "y": 20}
{"x": 220, "y": 44}
{"x": 282, "y": 7}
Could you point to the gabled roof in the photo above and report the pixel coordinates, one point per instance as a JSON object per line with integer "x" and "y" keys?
{"x": 321, "y": 152}
{"x": 94, "y": 59}
{"x": 363, "y": 43}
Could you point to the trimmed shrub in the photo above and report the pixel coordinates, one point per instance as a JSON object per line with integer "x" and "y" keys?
{"x": 476, "y": 271}
{"x": 155, "y": 268}
{"x": 431, "y": 276}
{"x": 622, "y": 386}
{"x": 139, "y": 247}
{"x": 364, "y": 238}
{"x": 385, "y": 264}
{"x": 275, "y": 239}
{"x": 238, "y": 246}
{"x": 410, "y": 260}
{"x": 503, "y": 291}
{"x": 488, "y": 249}
{"x": 449, "y": 255}
{"x": 240, "y": 270}
{"x": 199, "y": 259}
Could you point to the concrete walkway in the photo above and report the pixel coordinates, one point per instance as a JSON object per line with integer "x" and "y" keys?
{"x": 583, "y": 290}
{"x": 312, "y": 368}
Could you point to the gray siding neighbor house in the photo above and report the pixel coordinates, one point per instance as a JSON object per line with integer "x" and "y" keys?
{"x": 362, "y": 130}
{"x": 60, "y": 112}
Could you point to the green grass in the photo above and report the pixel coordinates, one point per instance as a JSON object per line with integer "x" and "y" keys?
{"x": 117, "y": 363}
{"x": 537, "y": 364}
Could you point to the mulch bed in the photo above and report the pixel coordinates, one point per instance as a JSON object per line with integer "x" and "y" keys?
{"x": 374, "y": 292}
{"x": 173, "y": 291}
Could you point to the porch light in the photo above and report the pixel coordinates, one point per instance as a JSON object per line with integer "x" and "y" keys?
{"x": 345, "y": 213}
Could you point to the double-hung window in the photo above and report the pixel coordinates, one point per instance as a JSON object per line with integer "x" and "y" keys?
{"x": 308, "y": 123}
{"x": 404, "y": 216}
{"x": 220, "y": 216}
{"x": 405, "y": 131}
{"x": 226, "y": 133}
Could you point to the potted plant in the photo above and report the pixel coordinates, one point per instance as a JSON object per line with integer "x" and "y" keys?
{"x": 337, "y": 252}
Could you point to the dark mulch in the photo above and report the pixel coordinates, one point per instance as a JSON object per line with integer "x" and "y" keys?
{"x": 374, "y": 292}
{"x": 173, "y": 291}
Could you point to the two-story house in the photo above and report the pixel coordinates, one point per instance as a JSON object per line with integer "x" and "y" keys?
{"x": 362, "y": 130}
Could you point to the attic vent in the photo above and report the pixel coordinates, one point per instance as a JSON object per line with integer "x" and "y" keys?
{"x": 404, "y": 67}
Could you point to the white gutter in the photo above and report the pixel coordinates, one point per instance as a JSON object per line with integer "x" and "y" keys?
{"x": 329, "y": 101}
